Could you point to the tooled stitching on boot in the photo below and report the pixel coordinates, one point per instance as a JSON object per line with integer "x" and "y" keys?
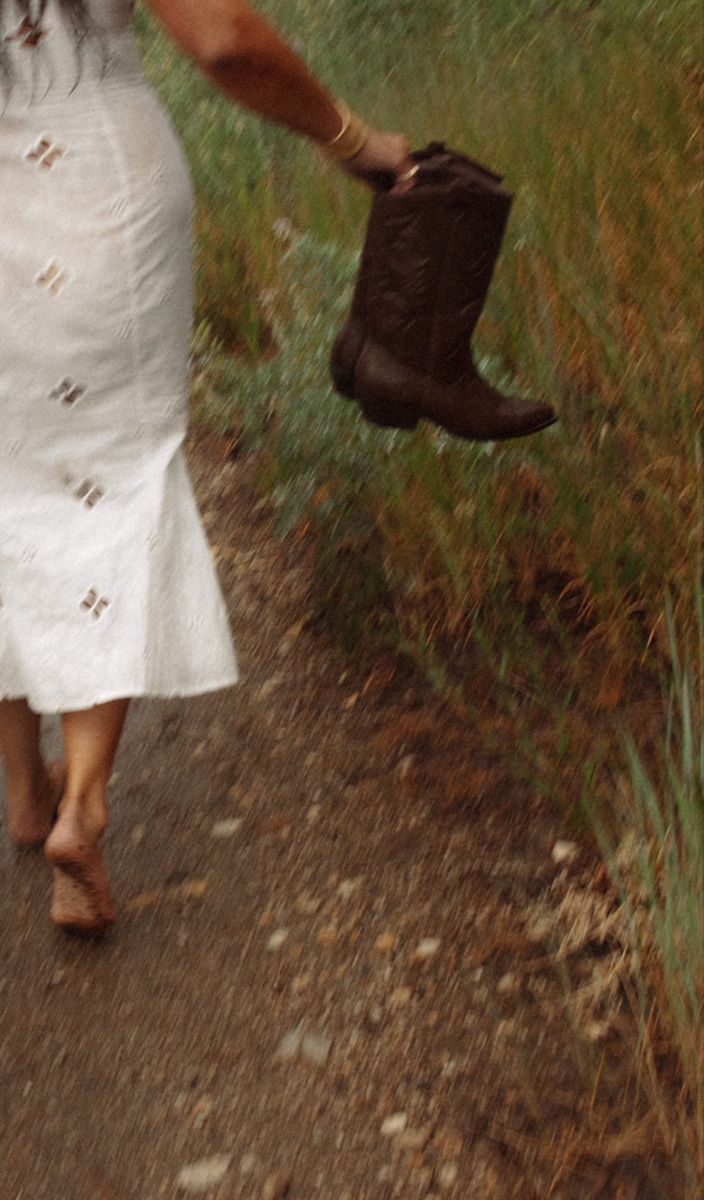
{"x": 444, "y": 260}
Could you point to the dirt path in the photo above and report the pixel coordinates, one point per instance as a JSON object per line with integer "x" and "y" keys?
{"x": 329, "y": 963}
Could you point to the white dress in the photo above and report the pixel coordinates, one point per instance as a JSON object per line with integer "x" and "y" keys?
{"x": 107, "y": 585}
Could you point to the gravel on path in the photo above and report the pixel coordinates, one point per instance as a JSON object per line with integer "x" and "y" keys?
{"x": 329, "y": 979}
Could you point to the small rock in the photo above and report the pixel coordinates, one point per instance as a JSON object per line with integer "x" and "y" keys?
{"x": 226, "y": 828}
{"x": 290, "y": 1044}
{"x": 394, "y": 1125}
{"x": 347, "y": 887}
{"x": 269, "y": 687}
{"x": 307, "y": 905}
{"x": 405, "y": 766}
{"x": 385, "y": 942}
{"x": 448, "y": 1175}
{"x": 277, "y": 1186}
{"x": 425, "y": 949}
{"x": 400, "y": 997}
{"x": 203, "y": 1175}
{"x": 374, "y": 1016}
{"x": 248, "y": 1165}
{"x": 351, "y": 701}
{"x": 192, "y": 889}
{"x": 277, "y": 940}
{"x": 415, "y": 1139}
{"x": 596, "y": 1031}
{"x": 313, "y": 814}
{"x": 507, "y": 984}
{"x": 58, "y": 977}
{"x": 327, "y": 936}
{"x": 564, "y": 852}
{"x": 316, "y": 1048}
{"x": 138, "y": 835}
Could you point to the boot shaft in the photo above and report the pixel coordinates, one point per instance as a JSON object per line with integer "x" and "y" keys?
{"x": 427, "y": 263}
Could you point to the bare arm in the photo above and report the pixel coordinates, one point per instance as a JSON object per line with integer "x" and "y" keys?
{"x": 247, "y": 60}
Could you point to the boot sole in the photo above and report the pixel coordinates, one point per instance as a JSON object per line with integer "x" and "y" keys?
{"x": 389, "y": 414}
{"x": 395, "y": 416}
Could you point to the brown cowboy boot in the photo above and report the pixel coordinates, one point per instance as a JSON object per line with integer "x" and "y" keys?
{"x": 427, "y": 262}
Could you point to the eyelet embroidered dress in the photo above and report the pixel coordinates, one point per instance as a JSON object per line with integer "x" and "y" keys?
{"x": 107, "y": 585}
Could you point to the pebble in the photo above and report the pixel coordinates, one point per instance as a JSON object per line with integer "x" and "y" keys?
{"x": 507, "y": 984}
{"x": 270, "y": 686}
{"x": 385, "y": 942}
{"x": 290, "y": 1044}
{"x": 347, "y": 887}
{"x": 203, "y": 1175}
{"x": 447, "y": 1175}
{"x": 405, "y": 766}
{"x": 400, "y": 997}
{"x": 394, "y": 1125}
{"x": 426, "y": 949}
{"x": 138, "y": 835}
{"x": 415, "y": 1139}
{"x": 316, "y": 1048}
{"x": 192, "y": 889}
{"x": 277, "y": 1186}
{"x": 248, "y": 1164}
{"x": 227, "y": 828}
{"x": 564, "y": 852}
{"x": 277, "y": 940}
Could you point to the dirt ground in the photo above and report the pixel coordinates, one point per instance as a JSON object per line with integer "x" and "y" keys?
{"x": 349, "y": 951}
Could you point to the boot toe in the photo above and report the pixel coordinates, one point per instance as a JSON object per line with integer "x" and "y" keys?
{"x": 523, "y": 417}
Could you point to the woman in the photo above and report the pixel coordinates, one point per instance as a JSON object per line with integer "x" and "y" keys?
{"x": 107, "y": 589}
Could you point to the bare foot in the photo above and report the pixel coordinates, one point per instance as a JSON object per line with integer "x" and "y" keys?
{"x": 31, "y": 817}
{"x": 81, "y": 901}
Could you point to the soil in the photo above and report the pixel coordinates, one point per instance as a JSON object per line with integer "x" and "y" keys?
{"x": 351, "y": 962}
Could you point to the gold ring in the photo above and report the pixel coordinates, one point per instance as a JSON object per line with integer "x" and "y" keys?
{"x": 408, "y": 174}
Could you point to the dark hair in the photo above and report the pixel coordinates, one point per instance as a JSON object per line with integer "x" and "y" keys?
{"x": 75, "y": 12}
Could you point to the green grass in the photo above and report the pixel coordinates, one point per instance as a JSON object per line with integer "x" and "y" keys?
{"x": 591, "y": 111}
{"x": 533, "y": 573}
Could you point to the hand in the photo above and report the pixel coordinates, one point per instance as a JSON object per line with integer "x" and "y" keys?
{"x": 383, "y": 154}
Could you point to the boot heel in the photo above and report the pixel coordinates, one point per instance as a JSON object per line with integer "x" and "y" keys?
{"x": 388, "y": 414}
{"x": 343, "y": 359}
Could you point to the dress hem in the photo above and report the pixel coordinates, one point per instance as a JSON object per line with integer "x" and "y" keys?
{"x": 178, "y": 693}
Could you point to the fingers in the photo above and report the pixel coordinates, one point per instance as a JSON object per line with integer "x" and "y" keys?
{"x": 384, "y": 162}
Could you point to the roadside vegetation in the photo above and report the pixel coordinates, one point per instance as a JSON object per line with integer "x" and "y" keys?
{"x": 557, "y": 579}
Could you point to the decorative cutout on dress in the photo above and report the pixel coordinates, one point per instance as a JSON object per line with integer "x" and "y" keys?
{"x": 28, "y": 34}
{"x": 67, "y": 393}
{"x": 45, "y": 153}
{"x": 89, "y": 492}
{"x": 95, "y": 604}
{"x": 53, "y": 278}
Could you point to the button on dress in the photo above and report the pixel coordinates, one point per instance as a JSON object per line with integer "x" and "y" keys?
{"x": 107, "y": 585}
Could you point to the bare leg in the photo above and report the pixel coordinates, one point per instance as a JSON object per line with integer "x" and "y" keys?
{"x": 82, "y": 901}
{"x": 32, "y": 789}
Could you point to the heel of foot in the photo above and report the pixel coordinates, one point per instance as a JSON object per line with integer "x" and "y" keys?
{"x": 81, "y": 903}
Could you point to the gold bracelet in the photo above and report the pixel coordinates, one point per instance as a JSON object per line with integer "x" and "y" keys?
{"x": 353, "y": 134}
